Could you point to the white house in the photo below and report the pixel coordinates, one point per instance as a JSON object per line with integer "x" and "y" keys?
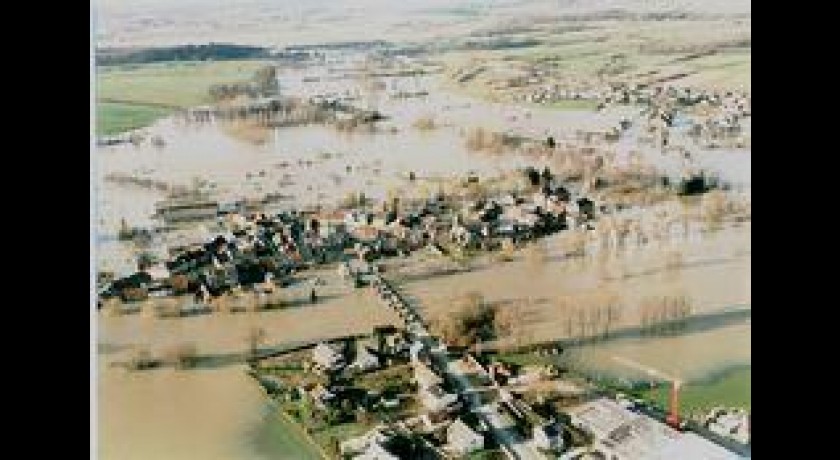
{"x": 365, "y": 360}
{"x": 425, "y": 376}
{"x": 549, "y": 437}
{"x": 375, "y": 451}
{"x": 436, "y": 400}
{"x": 461, "y": 439}
{"x": 327, "y": 357}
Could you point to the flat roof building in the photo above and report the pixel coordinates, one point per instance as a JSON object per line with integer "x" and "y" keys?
{"x": 626, "y": 435}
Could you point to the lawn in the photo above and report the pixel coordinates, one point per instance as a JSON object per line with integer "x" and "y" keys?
{"x": 731, "y": 389}
{"x": 115, "y": 117}
{"x": 133, "y": 96}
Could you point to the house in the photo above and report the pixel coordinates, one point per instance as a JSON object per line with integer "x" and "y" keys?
{"x": 321, "y": 395}
{"x": 424, "y": 375}
{"x": 375, "y": 451}
{"x": 365, "y": 360}
{"x": 360, "y": 444}
{"x": 436, "y": 400}
{"x": 461, "y": 439}
{"x": 327, "y": 357}
{"x": 548, "y": 436}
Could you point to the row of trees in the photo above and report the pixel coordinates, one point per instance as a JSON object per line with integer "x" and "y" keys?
{"x": 665, "y": 313}
{"x": 588, "y": 315}
{"x": 262, "y": 83}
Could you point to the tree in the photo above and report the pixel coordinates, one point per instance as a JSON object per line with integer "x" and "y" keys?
{"x": 180, "y": 284}
{"x": 468, "y": 320}
{"x": 182, "y": 356}
{"x": 256, "y": 336}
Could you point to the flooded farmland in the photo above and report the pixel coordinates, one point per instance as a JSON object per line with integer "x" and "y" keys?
{"x": 216, "y": 412}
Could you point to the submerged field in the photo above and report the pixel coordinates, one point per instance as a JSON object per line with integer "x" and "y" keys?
{"x": 214, "y": 411}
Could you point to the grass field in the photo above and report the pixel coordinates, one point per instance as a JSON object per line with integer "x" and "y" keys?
{"x": 118, "y": 117}
{"x": 731, "y": 389}
{"x": 133, "y": 96}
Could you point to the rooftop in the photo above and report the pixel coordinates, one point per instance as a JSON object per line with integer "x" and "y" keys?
{"x": 630, "y": 435}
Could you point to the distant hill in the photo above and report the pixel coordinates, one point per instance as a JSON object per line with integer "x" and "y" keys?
{"x": 212, "y": 51}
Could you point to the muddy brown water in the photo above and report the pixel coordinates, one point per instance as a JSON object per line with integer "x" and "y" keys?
{"x": 208, "y": 413}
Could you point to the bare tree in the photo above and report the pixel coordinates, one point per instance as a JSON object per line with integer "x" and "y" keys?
{"x": 256, "y": 336}
{"x": 182, "y": 356}
{"x": 581, "y": 317}
{"x": 613, "y": 314}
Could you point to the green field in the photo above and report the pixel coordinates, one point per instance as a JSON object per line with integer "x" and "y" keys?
{"x": 730, "y": 389}
{"x": 133, "y": 96}
{"x": 117, "y": 117}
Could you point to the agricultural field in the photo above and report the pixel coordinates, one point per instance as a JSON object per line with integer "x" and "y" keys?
{"x": 117, "y": 117}
{"x": 133, "y": 96}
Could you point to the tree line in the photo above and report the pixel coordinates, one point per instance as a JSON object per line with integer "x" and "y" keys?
{"x": 207, "y": 52}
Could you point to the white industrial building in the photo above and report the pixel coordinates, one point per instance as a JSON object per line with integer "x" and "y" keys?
{"x": 622, "y": 434}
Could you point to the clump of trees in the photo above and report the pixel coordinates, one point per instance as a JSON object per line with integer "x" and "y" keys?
{"x": 205, "y": 52}
{"x": 469, "y": 321}
{"x": 262, "y": 83}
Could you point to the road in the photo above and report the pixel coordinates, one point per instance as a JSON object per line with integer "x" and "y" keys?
{"x": 501, "y": 425}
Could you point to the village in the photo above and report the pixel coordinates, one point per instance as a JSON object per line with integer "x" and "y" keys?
{"x": 403, "y": 392}
{"x": 513, "y": 235}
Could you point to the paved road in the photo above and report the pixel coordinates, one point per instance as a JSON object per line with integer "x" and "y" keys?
{"x": 500, "y": 423}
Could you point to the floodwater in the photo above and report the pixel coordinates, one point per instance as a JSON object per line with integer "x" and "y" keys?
{"x": 170, "y": 414}
{"x": 213, "y": 413}
{"x": 689, "y": 356}
{"x": 715, "y": 275}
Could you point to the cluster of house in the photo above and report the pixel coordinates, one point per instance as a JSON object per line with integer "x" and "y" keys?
{"x": 259, "y": 249}
{"x": 253, "y": 252}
